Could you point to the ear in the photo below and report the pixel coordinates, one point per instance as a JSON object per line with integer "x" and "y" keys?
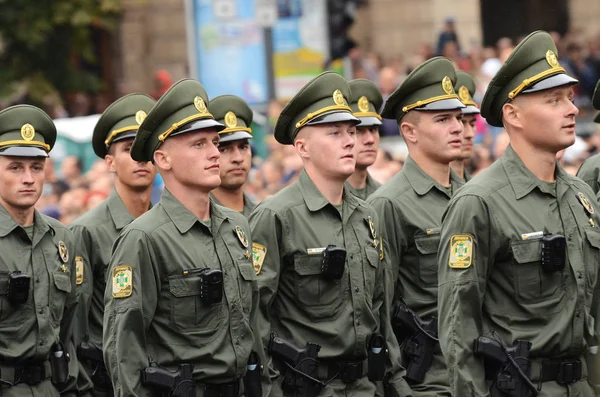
{"x": 511, "y": 115}
{"x": 302, "y": 146}
{"x": 409, "y": 131}
{"x": 162, "y": 159}
{"x": 109, "y": 159}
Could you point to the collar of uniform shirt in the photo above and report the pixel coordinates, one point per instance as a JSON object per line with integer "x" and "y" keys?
{"x": 524, "y": 181}
{"x": 183, "y": 218}
{"x": 315, "y": 200}
{"x": 423, "y": 183}
{"x": 118, "y": 212}
{"x": 8, "y": 224}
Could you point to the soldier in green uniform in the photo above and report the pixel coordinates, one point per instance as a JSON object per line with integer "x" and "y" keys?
{"x": 365, "y": 102}
{"x": 236, "y": 155}
{"x": 96, "y": 231}
{"x": 411, "y": 206}
{"x": 37, "y": 274}
{"x": 316, "y": 251}
{"x": 590, "y": 169}
{"x": 520, "y": 246}
{"x": 465, "y": 88}
{"x": 182, "y": 296}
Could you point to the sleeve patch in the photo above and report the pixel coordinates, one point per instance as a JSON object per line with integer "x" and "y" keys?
{"x": 259, "y": 252}
{"x": 79, "y": 270}
{"x": 122, "y": 281}
{"x": 461, "y": 251}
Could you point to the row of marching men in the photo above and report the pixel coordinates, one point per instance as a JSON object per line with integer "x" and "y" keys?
{"x": 426, "y": 288}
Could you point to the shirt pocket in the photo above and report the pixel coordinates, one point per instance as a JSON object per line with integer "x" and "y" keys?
{"x": 320, "y": 297}
{"x": 247, "y": 284}
{"x": 532, "y": 284}
{"x": 592, "y": 257}
{"x": 58, "y": 294}
{"x": 427, "y": 248}
{"x": 370, "y": 270}
{"x": 187, "y": 309}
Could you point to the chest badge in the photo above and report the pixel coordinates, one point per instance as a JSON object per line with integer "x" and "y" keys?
{"x": 63, "y": 252}
{"x": 241, "y": 236}
{"x": 369, "y": 221}
{"x": 585, "y": 203}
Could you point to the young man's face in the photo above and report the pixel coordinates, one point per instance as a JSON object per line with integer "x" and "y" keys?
{"x": 330, "y": 149}
{"x": 235, "y": 163}
{"x": 469, "y": 131}
{"x": 134, "y": 174}
{"x": 21, "y": 181}
{"x": 438, "y": 134}
{"x": 193, "y": 159}
{"x": 367, "y": 144}
{"x": 547, "y": 117}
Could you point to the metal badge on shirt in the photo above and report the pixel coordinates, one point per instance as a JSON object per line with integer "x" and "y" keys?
{"x": 371, "y": 224}
{"x": 587, "y": 206}
{"x": 63, "y": 252}
{"x": 241, "y": 236}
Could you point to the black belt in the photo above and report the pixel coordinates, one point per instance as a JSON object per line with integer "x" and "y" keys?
{"x": 231, "y": 389}
{"x": 347, "y": 371}
{"x": 31, "y": 374}
{"x": 563, "y": 372}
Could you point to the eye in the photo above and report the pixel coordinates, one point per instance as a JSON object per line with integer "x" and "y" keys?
{"x": 335, "y": 133}
{"x": 553, "y": 101}
{"x": 442, "y": 120}
{"x": 199, "y": 144}
{"x": 352, "y": 132}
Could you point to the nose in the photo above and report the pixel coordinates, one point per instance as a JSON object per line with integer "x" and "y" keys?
{"x": 457, "y": 126}
{"x": 236, "y": 155}
{"x": 573, "y": 110}
{"x": 350, "y": 140}
{"x": 214, "y": 154}
{"x": 28, "y": 177}
{"x": 368, "y": 138}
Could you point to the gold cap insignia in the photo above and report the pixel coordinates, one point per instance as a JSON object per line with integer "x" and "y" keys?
{"x": 27, "y": 132}
{"x": 447, "y": 85}
{"x": 241, "y": 236}
{"x": 338, "y": 97}
{"x": 586, "y": 204}
{"x": 140, "y": 116}
{"x": 551, "y": 58}
{"x": 230, "y": 120}
{"x": 463, "y": 94}
{"x": 200, "y": 105}
{"x": 363, "y": 104}
{"x": 122, "y": 281}
{"x": 63, "y": 251}
{"x": 79, "y": 270}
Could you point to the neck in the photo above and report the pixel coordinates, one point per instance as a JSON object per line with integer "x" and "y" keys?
{"x": 458, "y": 166}
{"x": 23, "y": 217}
{"x": 332, "y": 190}
{"x": 195, "y": 200}
{"x": 440, "y": 172}
{"x": 542, "y": 164}
{"x": 230, "y": 198}
{"x": 358, "y": 180}
{"x": 136, "y": 201}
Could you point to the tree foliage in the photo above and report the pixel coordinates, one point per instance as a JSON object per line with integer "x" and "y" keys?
{"x": 42, "y": 44}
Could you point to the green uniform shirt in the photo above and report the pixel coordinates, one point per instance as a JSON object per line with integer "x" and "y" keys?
{"x": 95, "y": 233}
{"x": 152, "y": 309}
{"x": 364, "y": 193}
{"x": 411, "y": 206}
{"x": 589, "y": 172}
{"x": 490, "y": 275}
{"x": 290, "y": 230}
{"x": 468, "y": 175}
{"x": 28, "y": 330}
{"x": 249, "y": 204}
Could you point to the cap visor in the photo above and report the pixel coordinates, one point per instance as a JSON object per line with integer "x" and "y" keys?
{"x": 444, "y": 104}
{"x": 470, "y": 109}
{"x": 22, "y": 151}
{"x": 551, "y": 82}
{"x": 597, "y": 118}
{"x": 199, "y": 125}
{"x": 368, "y": 121}
{"x": 125, "y": 135}
{"x": 235, "y": 136}
{"x": 334, "y": 117}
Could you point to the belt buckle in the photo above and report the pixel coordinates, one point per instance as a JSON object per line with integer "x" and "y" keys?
{"x": 352, "y": 371}
{"x": 568, "y": 372}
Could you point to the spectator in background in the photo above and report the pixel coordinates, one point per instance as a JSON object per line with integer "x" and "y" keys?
{"x": 577, "y": 66}
{"x": 80, "y": 105}
{"x": 448, "y": 34}
{"x": 71, "y": 170}
{"x": 162, "y": 82}
{"x": 388, "y": 81}
{"x": 71, "y": 203}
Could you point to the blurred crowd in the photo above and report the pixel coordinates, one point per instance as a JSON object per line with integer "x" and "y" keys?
{"x": 69, "y": 191}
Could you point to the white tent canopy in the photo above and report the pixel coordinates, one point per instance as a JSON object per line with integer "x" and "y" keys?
{"x": 77, "y": 129}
